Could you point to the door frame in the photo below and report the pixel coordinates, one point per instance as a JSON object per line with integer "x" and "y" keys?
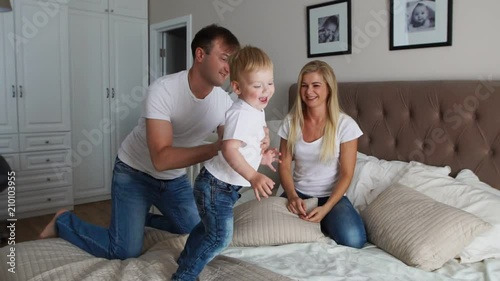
{"x": 155, "y": 33}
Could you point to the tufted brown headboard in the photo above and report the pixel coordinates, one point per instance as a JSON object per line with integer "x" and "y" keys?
{"x": 454, "y": 123}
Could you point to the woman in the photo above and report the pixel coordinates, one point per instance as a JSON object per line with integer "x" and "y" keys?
{"x": 323, "y": 142}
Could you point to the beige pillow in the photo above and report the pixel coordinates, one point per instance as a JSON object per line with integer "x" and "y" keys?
{"x": 417, "y": 229}
{"x": 268, "y": 222}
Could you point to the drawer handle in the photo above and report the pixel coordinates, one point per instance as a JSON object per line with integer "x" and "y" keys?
{"x": 48, "y": 179}
{"x": 47, "y": 142}
{"x": 47, "y": 160}
{"x": 49, "y": 199}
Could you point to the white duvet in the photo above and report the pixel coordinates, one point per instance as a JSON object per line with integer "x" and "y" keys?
{"x": 328, "y": 261}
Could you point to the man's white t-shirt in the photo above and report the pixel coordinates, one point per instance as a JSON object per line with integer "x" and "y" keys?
{"x": 311, "y": 176}
{"x": 193, "y": 120}
{"x": 244, "y": 123}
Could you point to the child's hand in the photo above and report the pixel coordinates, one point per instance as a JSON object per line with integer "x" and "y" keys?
{"x": 264, "y": 143}
{"x": 261, "y": 185}
{"x": 269, "y": 156}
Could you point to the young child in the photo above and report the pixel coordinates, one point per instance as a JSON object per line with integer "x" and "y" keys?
{"x": 422, "y": 18}
{"x": 329, "y": 30}
{"x": 216, "y": 187}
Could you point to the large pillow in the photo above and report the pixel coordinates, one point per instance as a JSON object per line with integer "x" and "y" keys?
{"x": 268, "y": 222}
{"x": 468, "y": 177}
{"x": 477, "y": 201}
{"x": 373, "y": 175}
{"x": 417, "y": 229}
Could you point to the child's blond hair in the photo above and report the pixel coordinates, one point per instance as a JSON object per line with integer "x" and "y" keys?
{"x": 248, "y": 59}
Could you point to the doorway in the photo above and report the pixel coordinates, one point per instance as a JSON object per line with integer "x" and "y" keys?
{"x": 173, "y": 51}
{"x": 170, "y": 46}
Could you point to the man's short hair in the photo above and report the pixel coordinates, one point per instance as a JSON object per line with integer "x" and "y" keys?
{"x": 206, "y": 36}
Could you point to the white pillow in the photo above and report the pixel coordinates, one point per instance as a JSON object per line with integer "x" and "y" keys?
{"x": 468, "y": 177}
{"x": 268, "y": 222}
{"x": 468, "y": 198}
{"x": 373, "y": 175}
{"x": 417, "y": 229}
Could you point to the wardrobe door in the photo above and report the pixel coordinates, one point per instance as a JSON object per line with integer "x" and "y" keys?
{"x": 129, "y": 74}
{"x": 42, "y": 67}
{"x": 91, "y": 93}
{"x": 8, "y": 87}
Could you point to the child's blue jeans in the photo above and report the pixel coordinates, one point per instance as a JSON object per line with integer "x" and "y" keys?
{"x": 215, "y": 200}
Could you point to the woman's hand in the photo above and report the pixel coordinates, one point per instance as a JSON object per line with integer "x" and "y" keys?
{"x": 317, "y": 214}
{"x": 297, "y": 206}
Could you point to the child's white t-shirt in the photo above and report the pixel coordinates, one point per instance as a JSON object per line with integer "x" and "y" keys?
{"x": 244, "y": 123}
{"x": 311, "y": 176}
{"x": 193, "y": 120}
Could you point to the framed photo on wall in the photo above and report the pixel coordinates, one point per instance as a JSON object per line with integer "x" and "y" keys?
{"x": 329, "y": 29}
{"x": 420, "y": 23}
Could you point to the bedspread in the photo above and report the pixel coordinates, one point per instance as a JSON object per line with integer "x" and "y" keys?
{"x": 58, "y": 260}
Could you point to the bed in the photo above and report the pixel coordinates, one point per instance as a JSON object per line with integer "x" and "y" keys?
{"x": 435, "y": 136}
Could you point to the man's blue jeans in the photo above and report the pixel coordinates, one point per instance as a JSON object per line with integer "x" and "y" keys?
{"x": 132, "y": 194}
{"x": 343, "y": 224}
{"x": 215, "y": 200}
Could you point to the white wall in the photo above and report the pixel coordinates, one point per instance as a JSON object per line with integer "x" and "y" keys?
{"x": 279, "y": 27}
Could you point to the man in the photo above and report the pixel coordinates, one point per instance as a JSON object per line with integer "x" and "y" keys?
{"x": 180, "y": 111}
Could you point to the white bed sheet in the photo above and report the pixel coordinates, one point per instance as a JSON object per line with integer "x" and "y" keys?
{"x": 328, "y": 261}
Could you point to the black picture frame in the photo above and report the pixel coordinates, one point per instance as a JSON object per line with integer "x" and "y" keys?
{"x": 420, "y": 24}
{"x": 323, "y": 38}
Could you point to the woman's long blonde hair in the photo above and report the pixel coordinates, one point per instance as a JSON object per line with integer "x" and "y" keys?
{"x": 333, "y": 110}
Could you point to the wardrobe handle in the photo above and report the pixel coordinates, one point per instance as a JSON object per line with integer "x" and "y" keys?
{"x": 112, "y": 93}
{"x": 13, "y": 91}
{"x": 112, "y": 10}
{"x": 20, "y": 91}
{"x": 107, "y": 93}
{"x": 106, "y": 10}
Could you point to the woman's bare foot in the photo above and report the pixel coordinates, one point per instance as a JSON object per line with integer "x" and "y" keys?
{"x": 50, "y": 230}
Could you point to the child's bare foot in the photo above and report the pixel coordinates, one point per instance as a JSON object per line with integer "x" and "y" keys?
{"x": 50, "y": 230}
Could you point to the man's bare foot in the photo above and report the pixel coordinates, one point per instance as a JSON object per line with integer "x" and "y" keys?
{"x": 50, "y": 230}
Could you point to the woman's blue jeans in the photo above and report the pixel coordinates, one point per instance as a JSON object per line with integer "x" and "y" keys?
{"x": 343, "y": 223}
{"x": 132, "y": 194}
{"x": 215, "y": 200}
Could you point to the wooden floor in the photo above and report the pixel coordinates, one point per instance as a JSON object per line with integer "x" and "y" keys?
{"x": 98, "y": 213}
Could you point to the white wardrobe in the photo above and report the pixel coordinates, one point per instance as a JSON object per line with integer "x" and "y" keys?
{"x": 34, "y": 100}
{"x": 72, "y": 78}
{"x": 108, "y": 43}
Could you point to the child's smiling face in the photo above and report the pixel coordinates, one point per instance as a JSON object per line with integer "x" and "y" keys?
{"x": 256, "y": 87}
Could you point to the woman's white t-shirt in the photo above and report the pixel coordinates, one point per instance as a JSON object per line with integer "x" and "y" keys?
{"x": 310, "y": 175}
